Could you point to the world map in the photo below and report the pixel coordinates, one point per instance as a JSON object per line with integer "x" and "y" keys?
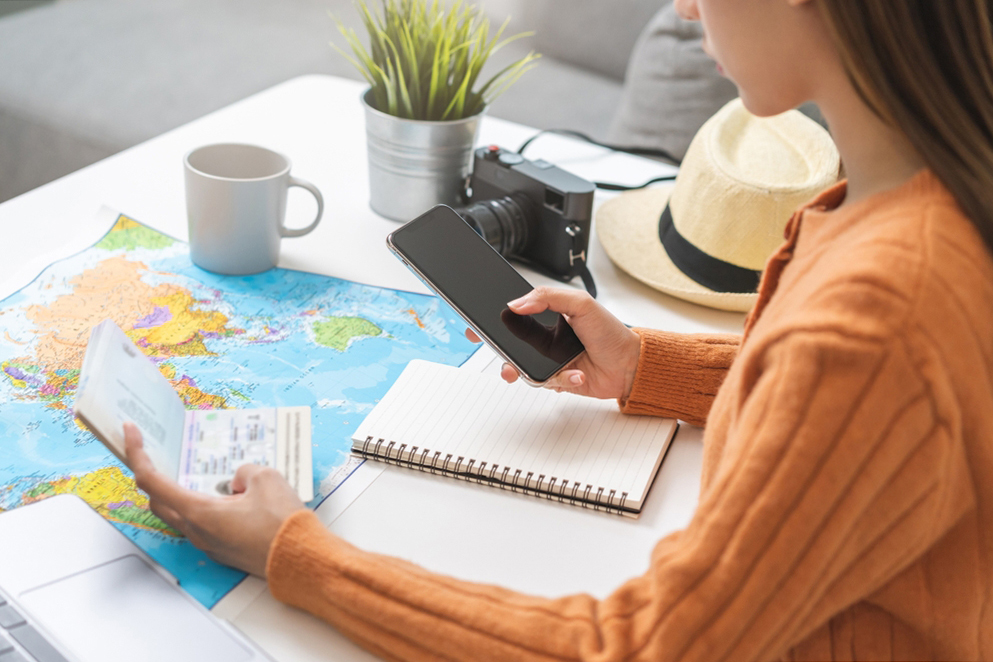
{"x": 279, "y": 338}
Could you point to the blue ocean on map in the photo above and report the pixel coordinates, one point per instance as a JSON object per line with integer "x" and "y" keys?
{"x": 280, "y": 338}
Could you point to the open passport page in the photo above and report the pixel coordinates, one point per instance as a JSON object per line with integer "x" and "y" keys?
{"x": 200, "y": 449}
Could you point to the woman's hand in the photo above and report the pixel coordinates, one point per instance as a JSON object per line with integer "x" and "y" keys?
{"x": 606, "y": 369}
{"x": 235, "y": 530}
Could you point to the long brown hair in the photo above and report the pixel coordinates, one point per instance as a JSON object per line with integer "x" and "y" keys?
{"x": 926, "y": 66}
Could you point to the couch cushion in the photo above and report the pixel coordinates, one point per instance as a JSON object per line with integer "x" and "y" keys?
{"x": 671, "y": 87}
{"x": 590, "y": 34}
{"x": 559, "y": 95}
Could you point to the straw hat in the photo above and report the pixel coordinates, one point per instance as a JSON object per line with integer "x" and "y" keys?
{"x": 706, "y": 237}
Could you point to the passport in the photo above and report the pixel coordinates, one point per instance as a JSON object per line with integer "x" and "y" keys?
{"x": 200, "y": 449}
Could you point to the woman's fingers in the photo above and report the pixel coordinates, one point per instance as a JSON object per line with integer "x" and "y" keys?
{"x": 169, "y": 516}
{"x": 567, "y": 380}
{"x": 157, "y": 486}
{"x": 134, "y": 450}
{"x": 236, "y": 530}
{"x": 570, "y": 303}
{"x": 570, "y": 378}
{"x": 471, "y": 336}
{"x": 509, "y": 373}
{"x": 243, "y": 476}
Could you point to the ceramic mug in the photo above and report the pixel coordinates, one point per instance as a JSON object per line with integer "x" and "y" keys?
{"x": 236, "y": 205}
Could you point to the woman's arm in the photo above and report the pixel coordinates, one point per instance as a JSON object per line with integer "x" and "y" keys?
{"x": 838, "y": 471}
{"x": 679, "y": 374}
{"x": 648, "y": 372}
{"x": 837, "y": 474}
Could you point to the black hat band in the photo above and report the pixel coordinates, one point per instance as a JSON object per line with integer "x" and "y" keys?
{"x": 711, "y": 272}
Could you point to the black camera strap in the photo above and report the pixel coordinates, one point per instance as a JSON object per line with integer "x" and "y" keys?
{"x": 579, "y": 256}
{"x": 607, "y": 186}
{"x": 584, "y": 273}
{"x": 583, "y": 270}
{"x": 637, "y": 151}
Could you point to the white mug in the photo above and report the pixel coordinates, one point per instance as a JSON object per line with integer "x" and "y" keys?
{"x": 235, "y": 206}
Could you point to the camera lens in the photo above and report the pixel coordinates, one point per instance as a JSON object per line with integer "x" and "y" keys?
{"x": 502, "y": 222}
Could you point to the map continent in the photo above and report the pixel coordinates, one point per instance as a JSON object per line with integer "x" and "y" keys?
{"x": 279, "y": 338}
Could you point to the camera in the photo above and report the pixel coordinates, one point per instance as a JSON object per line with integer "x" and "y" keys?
{"x": 531, "y": 211}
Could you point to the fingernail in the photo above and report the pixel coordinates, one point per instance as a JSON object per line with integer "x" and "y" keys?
{"x": 517, "y": 303}
{"x": 576, "y": 379}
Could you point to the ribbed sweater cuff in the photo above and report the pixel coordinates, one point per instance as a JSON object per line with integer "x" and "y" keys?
{"x": 300, "y": 553}
{"x": 678, "y": 375}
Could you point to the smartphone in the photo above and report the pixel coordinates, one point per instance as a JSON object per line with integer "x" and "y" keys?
{"x": 475, "y": 280}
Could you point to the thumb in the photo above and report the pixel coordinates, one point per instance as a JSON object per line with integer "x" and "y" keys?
{"x": 245, "y": 474}
{"x": 571, "y": 303}
{"x": 134, "y": 450}
{"x": 132, "y": 437}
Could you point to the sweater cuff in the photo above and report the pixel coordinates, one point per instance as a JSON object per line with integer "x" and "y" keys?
{"x": 678, "y": 375}
{"x": 300, "y": 552}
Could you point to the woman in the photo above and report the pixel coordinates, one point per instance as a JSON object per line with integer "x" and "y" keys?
{"x": 846, "y": 508}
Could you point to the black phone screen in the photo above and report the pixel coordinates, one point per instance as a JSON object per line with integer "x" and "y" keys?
{"x": 478, "y": 282}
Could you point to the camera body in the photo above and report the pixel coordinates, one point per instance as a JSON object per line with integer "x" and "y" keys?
{"x": 531, "y": 211}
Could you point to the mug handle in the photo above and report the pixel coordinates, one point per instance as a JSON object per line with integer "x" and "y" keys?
{"x": 285, "y": 231}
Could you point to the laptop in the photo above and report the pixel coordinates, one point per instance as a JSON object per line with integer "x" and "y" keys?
{"x": 75, "y": 589}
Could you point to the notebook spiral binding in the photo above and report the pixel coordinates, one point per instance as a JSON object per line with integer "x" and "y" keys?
{"x": 484, "y": 473}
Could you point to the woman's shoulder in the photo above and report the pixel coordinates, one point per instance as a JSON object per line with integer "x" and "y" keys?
{"x": 922, "y": 247}
{"x": 881, "y": 266}
{"x": 919, "y": 251}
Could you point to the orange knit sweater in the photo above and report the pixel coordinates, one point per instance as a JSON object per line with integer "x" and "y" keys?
{"x": 846, "y": 507}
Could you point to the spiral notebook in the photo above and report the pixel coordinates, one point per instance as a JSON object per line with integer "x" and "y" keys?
{"x": 557, "y": 446}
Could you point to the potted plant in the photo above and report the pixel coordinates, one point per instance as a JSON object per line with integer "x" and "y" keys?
{"x": 425, "y": 98}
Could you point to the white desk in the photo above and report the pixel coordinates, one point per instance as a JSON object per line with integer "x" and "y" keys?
{"x": 468, "y": 531}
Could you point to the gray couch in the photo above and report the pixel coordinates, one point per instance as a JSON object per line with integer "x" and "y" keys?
{"x": 84, "y": 79}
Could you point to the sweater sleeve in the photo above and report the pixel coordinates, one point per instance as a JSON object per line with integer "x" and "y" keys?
{"x": 679, "y": 374}
{"x": 838, "y": 472}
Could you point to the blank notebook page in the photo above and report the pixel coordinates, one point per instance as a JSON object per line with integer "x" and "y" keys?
{"x": 446, "y": 415}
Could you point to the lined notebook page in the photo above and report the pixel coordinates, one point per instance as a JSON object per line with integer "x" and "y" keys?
{"x": 479, "y": 426}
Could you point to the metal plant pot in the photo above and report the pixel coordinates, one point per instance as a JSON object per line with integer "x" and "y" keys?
{"x": 414, "y": 164}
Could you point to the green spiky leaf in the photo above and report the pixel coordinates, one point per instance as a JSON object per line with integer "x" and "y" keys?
{"x": 423, "y": 61}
